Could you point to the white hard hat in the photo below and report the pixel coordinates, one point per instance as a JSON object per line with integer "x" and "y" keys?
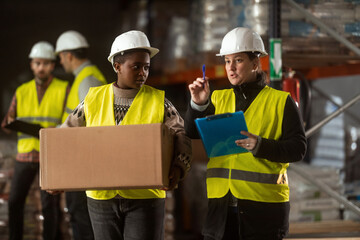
{"x": 131, "y": 40}
{"x": 70, "y": 40}
{"x": 42, "y": 49}
{"x": 242, "y": 40}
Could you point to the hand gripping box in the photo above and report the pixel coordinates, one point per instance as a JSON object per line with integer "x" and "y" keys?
{"x": 109, "y": 157}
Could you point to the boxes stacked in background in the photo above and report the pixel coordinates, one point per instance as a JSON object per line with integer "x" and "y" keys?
{"x": 165, "y": 23}
{"x": 177, "y": 49}
{"x": 213, "y": 24}
{"x": 300, "y": 35}
{"x": 308, "y": 202}
{"x": 170, "y": 33}
{"x": 212, "y": 20}
{"x": 341, "y": 15}
{"x": 189, "y": 33}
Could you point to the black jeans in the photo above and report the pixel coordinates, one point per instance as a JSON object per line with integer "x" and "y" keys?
{"x": 222, "y": 220}
{"x": 250, "y": 220}
{"x": 76, "y": 203}
{"x": 260, "y": 221}
{"x": 24, "y": 175}
{"x": 125, "y": 219}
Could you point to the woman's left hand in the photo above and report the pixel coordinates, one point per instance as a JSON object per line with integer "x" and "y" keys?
{"x": 247, "y": 143}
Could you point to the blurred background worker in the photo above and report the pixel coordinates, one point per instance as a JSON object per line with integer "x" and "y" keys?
{"x": 249, "y": 192}
{"x": 39, "y": 101}
{"x": 71, "y": 46}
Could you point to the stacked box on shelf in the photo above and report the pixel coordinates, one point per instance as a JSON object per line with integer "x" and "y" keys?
{"x": 343, "y": 16}
{"x": 215, "y": 23}
{"x": 299, "y": 34}
{"x": 337, "y": 14}
{"x": 308, "y": 202}
{"x": 169, "y": 33}
{"x": 178, "y": 53}
{"x": 212, "y": 20}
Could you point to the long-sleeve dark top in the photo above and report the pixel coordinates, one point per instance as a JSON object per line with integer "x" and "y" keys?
{"x": 291, "y": 146}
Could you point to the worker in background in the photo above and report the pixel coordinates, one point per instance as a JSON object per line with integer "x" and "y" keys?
{"x": 248, "y": 192}
{"x": 39, "y": 101}
{"x": 134, "y": 213}
{"x": 72, "y": 48}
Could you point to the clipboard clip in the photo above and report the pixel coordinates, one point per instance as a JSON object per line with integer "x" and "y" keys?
{"x": 218, "y": 116}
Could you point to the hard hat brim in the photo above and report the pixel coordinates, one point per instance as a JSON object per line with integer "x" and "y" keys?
{"x": 153, "y": 52}
{"x": 262, "y": 54}
{"x": 57, "y": 51}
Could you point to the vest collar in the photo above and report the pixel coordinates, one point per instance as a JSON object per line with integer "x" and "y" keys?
{"x": 81, "y": 67}
{"x": 250, "y": 89}
{"x": 124, "y": 93}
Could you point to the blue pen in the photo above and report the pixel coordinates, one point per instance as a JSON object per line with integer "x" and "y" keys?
{"x": 203, "y": 70}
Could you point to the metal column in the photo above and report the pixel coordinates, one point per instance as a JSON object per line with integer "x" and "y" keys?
{"x": 275, "y": 60}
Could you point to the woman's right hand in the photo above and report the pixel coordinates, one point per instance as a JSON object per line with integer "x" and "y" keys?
{"x": 200, "y": 91}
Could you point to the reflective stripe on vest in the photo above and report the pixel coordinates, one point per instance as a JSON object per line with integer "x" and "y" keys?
{"x": 244, "y": 175}
{"x": 73, "y": 98}
{"x": 40, "y": 119}
{"x": 48, "y": 113}
{"x": 147, "y": 108}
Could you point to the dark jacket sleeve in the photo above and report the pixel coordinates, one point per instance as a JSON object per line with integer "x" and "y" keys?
{"x": 191, "y": 115}
{"x": 291, "y": 147}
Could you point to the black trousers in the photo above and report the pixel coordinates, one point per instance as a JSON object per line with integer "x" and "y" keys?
{"x": 24, "y": 175}
{"x": 76, "y": 203}
{"x": 250, "y": 220}
{"x": 258, "y": 220}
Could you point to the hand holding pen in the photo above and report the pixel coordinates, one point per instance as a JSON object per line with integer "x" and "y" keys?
{"x": 200, "y": 89}
{"x": 203, "y": 70}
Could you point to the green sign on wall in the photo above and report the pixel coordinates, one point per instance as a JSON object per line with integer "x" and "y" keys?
{"x": 275, "y": 59}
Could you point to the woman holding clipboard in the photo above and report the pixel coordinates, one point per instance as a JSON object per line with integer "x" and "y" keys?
{"x": 248, "y": 192}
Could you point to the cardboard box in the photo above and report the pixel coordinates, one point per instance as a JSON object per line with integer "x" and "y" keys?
{"x": 109, "y": 157}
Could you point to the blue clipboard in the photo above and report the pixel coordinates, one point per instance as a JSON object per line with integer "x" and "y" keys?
{"x": 219, "y": 132}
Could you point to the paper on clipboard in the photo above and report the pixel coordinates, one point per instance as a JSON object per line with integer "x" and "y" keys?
{"x": 219, "y": 132}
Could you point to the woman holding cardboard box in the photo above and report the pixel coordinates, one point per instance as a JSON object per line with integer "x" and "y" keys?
{"x": 131, "y": 213}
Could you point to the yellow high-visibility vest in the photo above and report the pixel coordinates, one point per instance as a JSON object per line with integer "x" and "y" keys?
{"x": 48, "y": 113}
{"x": 246, "y": 176}
{"x": 73, "y": 98}
{"x": 147, "y": 108}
